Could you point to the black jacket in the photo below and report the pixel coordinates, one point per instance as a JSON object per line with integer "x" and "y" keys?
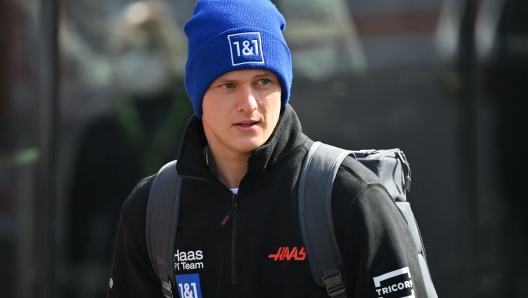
{"x": 250, "y": 245}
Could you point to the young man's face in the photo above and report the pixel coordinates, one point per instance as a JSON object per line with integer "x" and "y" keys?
{"x": 240, "y": 110}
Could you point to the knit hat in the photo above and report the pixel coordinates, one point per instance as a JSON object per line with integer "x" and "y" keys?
{"x": 228, "y": 35}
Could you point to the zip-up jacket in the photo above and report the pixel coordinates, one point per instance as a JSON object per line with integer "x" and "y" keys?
{"x": 250, "y": 244}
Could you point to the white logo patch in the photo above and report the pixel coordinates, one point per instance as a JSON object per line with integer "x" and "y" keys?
{"x": 186, "y": 260}
{"x": 111, "y": 283}
{"x": 245, "y": 48}
{"x": 397, "y": 282}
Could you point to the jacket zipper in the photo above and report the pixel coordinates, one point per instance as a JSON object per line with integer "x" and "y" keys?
{"x": 234, "y": 240}
{"x": 232, "y": 213}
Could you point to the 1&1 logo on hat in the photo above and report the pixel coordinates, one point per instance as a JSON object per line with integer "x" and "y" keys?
{"x": 246, "y": 48}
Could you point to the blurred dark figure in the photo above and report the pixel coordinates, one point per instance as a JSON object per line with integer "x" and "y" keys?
{"x": 501, "y": 40}
{"x": 132, "y": 141}
{"x": 506, "y": 77}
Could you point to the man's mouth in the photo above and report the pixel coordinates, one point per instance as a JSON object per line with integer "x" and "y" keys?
{"x": 246, "y": 124}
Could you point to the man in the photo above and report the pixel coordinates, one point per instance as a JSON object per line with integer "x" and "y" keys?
{"x": 240, "y": 159}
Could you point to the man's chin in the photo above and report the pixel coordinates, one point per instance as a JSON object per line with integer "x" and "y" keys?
{"x": 249, "y": 145}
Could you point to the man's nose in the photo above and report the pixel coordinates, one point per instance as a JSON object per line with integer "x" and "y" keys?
{"x": 247, "y": 101}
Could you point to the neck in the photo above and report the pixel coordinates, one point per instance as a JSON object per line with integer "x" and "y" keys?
{"x": 228, "y": 169}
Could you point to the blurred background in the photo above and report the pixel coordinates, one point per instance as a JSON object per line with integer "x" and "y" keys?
{"x": 92, "y": 100}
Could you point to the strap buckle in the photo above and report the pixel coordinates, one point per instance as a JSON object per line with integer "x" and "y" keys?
{"x": 407, "y": 170}
{"x": 334, "y": 285}
{"x": 166, "y": 288}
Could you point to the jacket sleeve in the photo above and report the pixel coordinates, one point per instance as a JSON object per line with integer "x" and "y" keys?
{"x": 132, "y": 274}
{"x": 379, "y": 255}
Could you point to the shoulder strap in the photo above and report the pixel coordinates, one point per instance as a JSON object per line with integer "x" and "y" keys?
{"x": 161, "y": 224}
{"x": 317, "y": 228}
{"x": 405, "y": 209}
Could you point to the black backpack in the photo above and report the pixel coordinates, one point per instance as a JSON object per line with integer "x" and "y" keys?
{"x": 315, "y": 192}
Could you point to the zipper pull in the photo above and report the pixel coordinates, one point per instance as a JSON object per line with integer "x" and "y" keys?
{"x": 234, "y": 199}
{"x": 226, "y": 218}
{"x": 233, "y": 209}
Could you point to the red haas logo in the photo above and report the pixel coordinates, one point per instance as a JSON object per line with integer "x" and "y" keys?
{"x": 285, "y": 254}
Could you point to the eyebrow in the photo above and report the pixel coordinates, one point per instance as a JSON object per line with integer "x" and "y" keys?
{"x": 264, "y": 73}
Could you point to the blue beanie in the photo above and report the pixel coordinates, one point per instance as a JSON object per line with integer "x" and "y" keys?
{"x": 228, "y": 35}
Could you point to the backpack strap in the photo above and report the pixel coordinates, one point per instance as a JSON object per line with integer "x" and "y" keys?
{"x": 317, "y": 228}
{"x": 405, "y": 209}
{"x": 162, "y": 222}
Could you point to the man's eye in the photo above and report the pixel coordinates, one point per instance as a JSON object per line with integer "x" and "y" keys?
{"x": 264, "y": 81}
{"x": 228, "y": 85}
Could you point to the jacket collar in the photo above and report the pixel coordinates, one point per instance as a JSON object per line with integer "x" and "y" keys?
{"x": 285, "y": 139}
